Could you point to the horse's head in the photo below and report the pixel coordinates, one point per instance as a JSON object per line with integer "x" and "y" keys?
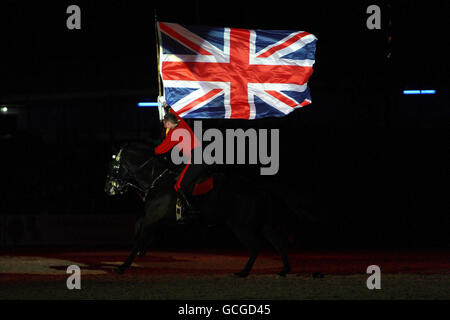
{"x": 134, "y": 165}
{"x": 116, "y": 177}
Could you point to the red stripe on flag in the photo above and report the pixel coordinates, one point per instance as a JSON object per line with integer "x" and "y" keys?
{"x": 291, "y": 103}
{"x": 183, "y": 39}
{"x": 305, "y": 103}
{"x": 207, "y": 96}
{"x": 283, "y": 45}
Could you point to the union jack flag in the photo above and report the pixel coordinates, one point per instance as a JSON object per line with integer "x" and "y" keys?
{"x": 210, "y": 72}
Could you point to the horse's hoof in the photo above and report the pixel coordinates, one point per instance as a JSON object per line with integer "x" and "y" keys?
{"x": 242, "y": 274}
{"x": 119, "y": 270}
{"x": 318, "y": 275}
{"x": 284, "y": 272}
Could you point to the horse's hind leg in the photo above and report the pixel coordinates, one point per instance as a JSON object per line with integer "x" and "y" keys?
{"x": 276, "y": 240}
{"x": 251, "y": 241}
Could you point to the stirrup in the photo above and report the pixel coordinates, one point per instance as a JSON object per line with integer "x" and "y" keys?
{"x": 184, "y": 199}
{"x": 179, "y": 211}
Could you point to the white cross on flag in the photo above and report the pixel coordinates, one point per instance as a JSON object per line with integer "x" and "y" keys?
{"x": 235, "y": 73}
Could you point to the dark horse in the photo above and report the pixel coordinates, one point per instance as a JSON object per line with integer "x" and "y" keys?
{"x": 245, "y": 208}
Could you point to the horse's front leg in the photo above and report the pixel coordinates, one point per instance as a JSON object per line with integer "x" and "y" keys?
{"x": 137, "y": 247}
{"x": 145, "y": 244}
{"x": 248, "y": 267}
{"x": 155, "y": 210}
{"x": 121, "y": 269}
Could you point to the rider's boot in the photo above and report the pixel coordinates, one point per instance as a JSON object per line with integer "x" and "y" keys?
{"x": 190, "y": 211}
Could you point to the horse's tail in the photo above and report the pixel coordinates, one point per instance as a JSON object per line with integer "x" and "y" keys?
{"x": 284, "y": 197}
{"x": 304, "y": 215}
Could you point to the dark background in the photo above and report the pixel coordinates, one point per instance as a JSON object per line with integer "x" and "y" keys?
{"x": 371, "y": 161}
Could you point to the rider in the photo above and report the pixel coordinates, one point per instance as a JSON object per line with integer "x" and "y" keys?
{"x": 172, "y": 122}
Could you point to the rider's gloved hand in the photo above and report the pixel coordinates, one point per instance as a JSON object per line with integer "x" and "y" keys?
{"x": 166, "y": 108}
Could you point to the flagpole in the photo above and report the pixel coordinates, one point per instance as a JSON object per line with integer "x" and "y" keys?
{"x": 160, "y": 91}
{"x": 157, "y": 52}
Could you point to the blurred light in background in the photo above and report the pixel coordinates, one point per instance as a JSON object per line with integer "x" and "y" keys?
{"x": 147, "y": 104}
{"x": 419, "y": 91}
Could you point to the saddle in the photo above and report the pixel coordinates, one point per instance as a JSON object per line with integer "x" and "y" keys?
{"x": 203, "y": 186}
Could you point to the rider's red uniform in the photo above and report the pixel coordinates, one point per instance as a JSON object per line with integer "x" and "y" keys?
{"x": 168, "y": 143}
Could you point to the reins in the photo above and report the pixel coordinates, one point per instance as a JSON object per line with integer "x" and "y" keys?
{"x": 152, "y": 185}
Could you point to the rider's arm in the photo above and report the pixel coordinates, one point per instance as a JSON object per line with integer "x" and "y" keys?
{"x": 167, "y": 144}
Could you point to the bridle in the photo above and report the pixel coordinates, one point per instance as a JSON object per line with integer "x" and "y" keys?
{"x": 125, "y": 181}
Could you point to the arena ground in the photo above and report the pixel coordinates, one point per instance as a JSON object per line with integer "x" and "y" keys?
{"x": 41, "y": 274}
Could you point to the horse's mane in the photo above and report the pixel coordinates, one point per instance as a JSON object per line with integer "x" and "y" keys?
{"x": 138, "y": 146}
{"x": 137, "y": 150}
